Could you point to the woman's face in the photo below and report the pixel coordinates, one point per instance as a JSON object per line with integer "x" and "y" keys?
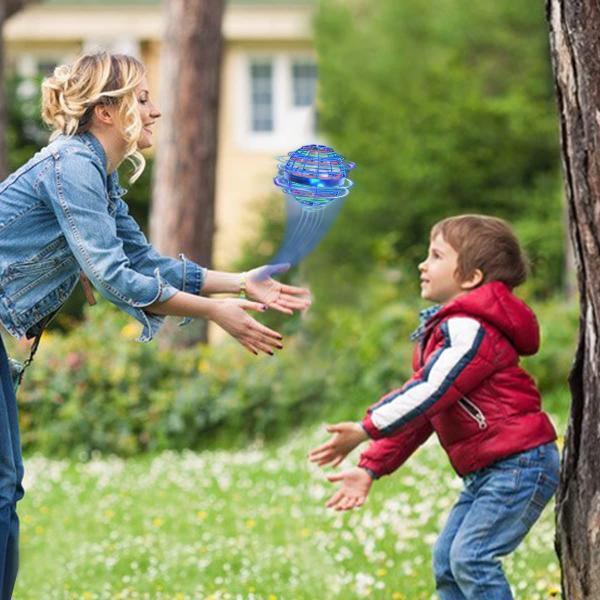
{"x": 148, "y": 113}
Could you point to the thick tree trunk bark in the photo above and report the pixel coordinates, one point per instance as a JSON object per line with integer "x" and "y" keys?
{"x": 3, "y": 117}
{"x": 575, "y": 46}
{"x": 7, "y": 9}
{"x": 183, "y": 214}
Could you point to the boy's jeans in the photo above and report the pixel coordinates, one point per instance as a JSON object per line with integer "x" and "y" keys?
{"x": 496, "y": 509}
{"x": 11, "y": 475}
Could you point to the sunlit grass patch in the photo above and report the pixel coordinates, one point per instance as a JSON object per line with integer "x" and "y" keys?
{"x": 247, "y": 524}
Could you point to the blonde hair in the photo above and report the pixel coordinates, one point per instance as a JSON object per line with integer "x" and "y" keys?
{"x": 71, "y": 93}
{"x": 485, "y": 243}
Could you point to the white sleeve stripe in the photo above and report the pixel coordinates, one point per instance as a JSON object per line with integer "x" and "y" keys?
{"x": 463, "y": 338}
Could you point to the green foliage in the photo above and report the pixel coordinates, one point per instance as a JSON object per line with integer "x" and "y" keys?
{"x": 97, "y": 389}
{"x": 447, "y": 107}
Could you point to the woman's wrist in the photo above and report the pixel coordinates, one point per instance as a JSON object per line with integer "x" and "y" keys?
{"x": 218, "y": 282}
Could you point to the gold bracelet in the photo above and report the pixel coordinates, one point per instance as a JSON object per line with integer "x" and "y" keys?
{"x": 243, "y": 286}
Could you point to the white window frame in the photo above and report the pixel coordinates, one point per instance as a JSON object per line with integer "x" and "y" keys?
{"x": 293, "y": 126}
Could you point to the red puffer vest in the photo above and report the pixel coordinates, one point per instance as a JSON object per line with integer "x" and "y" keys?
{"x": 467, "y": 386}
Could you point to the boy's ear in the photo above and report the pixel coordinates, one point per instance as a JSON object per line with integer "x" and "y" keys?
{"x": 473, "y": 281}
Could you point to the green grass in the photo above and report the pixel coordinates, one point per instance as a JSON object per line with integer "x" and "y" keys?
{"x": 245, "y": 524}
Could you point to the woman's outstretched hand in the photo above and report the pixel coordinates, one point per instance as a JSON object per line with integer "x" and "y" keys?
{"x": 346, "y": 436}
{"x": 284, "y": 298}
{"x": 356, "y": 484}
{"x": 231, "y": 315}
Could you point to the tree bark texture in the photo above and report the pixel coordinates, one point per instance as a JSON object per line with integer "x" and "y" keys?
{"x": 7, "y": 9}
{"x": 183, "y": 213}
{"x": 575, "y": 48}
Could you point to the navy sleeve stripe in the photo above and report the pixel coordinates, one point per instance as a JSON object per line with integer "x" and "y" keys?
{"x": 463, "y": 337}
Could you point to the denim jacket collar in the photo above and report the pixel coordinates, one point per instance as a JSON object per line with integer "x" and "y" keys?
{"x": 112, "y": 179}
{"x": 94, "y": 144}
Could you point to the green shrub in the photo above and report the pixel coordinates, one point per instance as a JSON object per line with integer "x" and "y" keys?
{"x": 95, "y": 388}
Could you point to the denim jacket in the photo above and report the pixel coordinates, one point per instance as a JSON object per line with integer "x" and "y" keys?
{"x": 61, "y": 213}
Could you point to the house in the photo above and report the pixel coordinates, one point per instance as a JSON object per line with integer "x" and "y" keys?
{"x": 267, "y": 94}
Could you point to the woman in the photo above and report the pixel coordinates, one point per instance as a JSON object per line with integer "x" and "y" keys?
{"x": 62, "y": 214}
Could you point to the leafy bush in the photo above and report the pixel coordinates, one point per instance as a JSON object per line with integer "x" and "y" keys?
{"x": 97, "y": 389}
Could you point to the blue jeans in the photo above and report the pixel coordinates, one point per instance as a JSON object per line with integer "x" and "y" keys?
{"x": 11, "y": 476}
{"x": 496, "y": 509}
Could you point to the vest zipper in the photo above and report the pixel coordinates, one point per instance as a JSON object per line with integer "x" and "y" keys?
{"x": 473, "y": 411}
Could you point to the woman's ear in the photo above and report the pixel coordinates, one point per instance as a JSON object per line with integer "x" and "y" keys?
{"x": 473, "y": 281}
{"x": 104, "y": 114}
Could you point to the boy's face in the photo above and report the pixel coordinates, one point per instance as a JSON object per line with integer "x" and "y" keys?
{"x": 438, "y": 280}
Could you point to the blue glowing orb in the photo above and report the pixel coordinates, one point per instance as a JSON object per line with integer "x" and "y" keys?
{"x": 314, "y": 175}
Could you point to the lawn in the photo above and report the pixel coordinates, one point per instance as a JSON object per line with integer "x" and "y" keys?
{"x": 246, "y": 524}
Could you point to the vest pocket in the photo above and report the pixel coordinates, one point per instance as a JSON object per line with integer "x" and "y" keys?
{"x": 473, "y": 411}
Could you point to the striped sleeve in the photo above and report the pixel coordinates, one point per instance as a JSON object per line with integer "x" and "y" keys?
{"x": 454, "y": 369}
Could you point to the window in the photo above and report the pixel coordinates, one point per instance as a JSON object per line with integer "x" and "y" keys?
{"x": 261, "y": 81}
{"x": 304, "y": 77}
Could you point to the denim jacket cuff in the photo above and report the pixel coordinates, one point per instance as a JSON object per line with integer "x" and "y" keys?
{"x": 193, "y": 280}
{"x": 153, "y": 322}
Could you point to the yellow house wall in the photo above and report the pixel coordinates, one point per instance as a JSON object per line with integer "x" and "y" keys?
{"x": 244, "y": 175}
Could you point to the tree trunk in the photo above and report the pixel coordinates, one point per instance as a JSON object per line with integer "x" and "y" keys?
{"x": 183, "y": 214}
{"x": 7, "y": 9}
{"x": 575, "y": 47}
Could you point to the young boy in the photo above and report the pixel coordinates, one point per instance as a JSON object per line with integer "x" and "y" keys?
{"x": 468, "y": 387}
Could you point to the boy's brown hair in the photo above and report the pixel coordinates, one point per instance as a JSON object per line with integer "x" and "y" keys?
{"x": 485, "y": 243}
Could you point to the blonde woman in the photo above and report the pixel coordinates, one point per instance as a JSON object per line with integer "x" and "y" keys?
{"x": 62, "y": 214}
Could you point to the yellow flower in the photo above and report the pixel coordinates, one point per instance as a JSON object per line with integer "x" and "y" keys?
{"x": 203, "y": 366}
{"x": 130, "y": 331}
{"x": 179, "y": 596}
{"x": 157, "y": 522}
{"x": 87, "y": 595}
{"x": 272, "y": 597}
{"x": 554, "y": 591}
{"x": 109, "y": 514}
{"x": 381, "y": 572}
{"x": 202, "y": 514}
{"x": 560, "y": 441}
{"x": 250, "y": 523}
{"x": 398, "y": 596}
{"x": 39, "y": 530}
{"x": 304, "y": 532}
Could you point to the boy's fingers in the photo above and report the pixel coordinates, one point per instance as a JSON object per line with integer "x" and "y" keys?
{"x": 334, "y": 499}
{"x": 334, "y": 477}
{"x": 319, "y": 449}
{"x": 337, "y": 461}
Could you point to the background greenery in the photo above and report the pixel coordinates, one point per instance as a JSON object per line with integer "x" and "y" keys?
{"x": 446, "y": 107}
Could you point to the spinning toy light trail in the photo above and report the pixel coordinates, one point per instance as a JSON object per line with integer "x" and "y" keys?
{"x": 314, "y": 180}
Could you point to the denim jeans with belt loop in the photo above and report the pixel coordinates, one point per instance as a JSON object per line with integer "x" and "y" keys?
{"x": 11, "y": 477}
{"x": 497, "y": 507}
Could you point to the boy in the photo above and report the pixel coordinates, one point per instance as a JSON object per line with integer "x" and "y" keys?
{"x": 467, "y": 386}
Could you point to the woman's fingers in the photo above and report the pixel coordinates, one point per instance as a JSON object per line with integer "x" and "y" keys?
{"x": 292, "y": 289}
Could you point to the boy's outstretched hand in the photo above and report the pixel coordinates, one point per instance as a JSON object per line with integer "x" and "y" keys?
{"x": 346, "y": 436}
{"x": 356, "y": 484}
